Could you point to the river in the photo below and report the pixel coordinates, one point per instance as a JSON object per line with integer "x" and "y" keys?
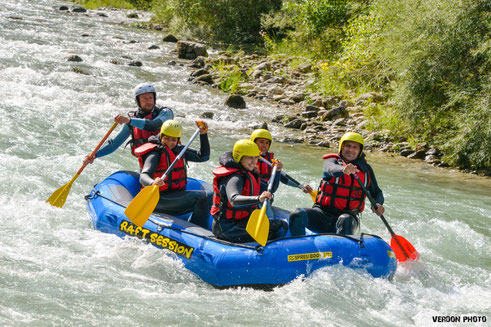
{"x": 58, "y": 271}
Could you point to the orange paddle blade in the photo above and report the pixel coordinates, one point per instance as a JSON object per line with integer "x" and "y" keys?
{"x": 258, "y": 225}
{"x": 403, "y": 249}
{"x": 142, "y": 206}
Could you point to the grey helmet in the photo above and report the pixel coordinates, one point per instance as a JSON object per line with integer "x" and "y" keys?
{"x": 142, "y": 89}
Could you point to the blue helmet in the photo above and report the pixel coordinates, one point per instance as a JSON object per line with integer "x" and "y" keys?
{"x": 142, "y": 89}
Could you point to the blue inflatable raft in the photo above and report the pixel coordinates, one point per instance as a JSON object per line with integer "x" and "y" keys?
{"x": 225, "y": 264}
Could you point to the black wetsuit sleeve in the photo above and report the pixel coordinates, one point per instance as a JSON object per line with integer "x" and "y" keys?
{"x": 332, "y": 168}
{"x": 285, "y": 180}
{"x": 198, "y": 156}
{"x": 374, "y": 189}
{"x": 152, "y": 125}
{"x": 149, "y": 166}
{"x": 234, "y": 185}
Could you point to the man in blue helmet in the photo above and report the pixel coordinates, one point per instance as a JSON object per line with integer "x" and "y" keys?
{"x": 139, "y": 124}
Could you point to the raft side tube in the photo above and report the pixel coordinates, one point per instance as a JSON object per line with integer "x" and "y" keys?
{"x": 225, "y": 264}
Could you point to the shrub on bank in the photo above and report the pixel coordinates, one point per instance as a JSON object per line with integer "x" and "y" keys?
{"x": 432, "y": 60}
{"x": 312, "y": 28}
{"x": 440, "y": 54}
{"x": 228, "y": 21}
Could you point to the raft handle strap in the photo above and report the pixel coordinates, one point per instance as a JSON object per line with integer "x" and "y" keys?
{"x": 92, "y": 196}
{"x": 361, "y": 244}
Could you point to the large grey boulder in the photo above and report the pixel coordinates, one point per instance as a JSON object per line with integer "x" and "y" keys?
{"x": 190, "y": 50}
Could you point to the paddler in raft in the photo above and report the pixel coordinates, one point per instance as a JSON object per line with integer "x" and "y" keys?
{"x": 157, "y": 155}
{"x": 236, "y": 194}
{"x": 139, "y": 125}
{"x": 262, "y": 137}
{"x": 340, "y": 199}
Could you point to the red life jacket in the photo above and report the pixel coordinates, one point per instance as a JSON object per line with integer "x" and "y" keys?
{"x": 221, "y": 204}
{"x": 343, "y": 192}
{"x": 263, "y": 168}
{"x": 140, "y": 136}
{"x": 174, "y": 181}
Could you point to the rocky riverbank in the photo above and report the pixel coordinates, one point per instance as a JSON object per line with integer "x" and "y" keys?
{"x": 313, "y": 119}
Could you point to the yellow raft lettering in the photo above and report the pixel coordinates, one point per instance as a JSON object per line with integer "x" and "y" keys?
{"x": 157, "y": 239}
{"x": 123, "y": 226}
{"x": 130, "y": 230}
{"x": 391, "y": 254}
{"x": 310, "y": 256}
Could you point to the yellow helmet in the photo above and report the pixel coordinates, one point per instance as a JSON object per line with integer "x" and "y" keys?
{"x": 261, "y": 134}
{"x": 171, "y": 128}
{"x": 244, "y": 148}
{"x": 353, "y": 137}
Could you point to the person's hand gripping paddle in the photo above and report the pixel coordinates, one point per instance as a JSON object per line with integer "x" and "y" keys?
{"x": 258, "y": 224}
{"x": 144, "y": 203}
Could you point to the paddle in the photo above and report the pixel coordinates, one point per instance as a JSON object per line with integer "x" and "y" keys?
{"x": 258, "y": 224}
{"x": 142, "y": 206}
{"x": 313, "y": 194}
{"x": 59, "y": 196}
{"x": 402, "y": 248}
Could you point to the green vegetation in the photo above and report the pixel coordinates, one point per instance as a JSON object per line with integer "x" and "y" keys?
{"x": 439, "y": 53}
{"x": 94, "y": 4}
{"x": 230, "y": 77}
{"x": 430, "y": 59}
{"x": 219, "y": 21}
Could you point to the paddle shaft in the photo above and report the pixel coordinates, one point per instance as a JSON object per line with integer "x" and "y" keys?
{"x": 179, "y": 156}
{"x": 283, "y": 173}
{"x": 98, "y": 146}
{"x": 374, "y": 204}
{"x": 270, "y": 187}
{"x": 271, "y": 180}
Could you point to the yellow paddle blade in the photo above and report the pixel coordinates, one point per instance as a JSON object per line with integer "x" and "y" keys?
{"x": 258, "y": 225}
{"x": 313, "y": 194}
{"x": 142, "y": 206}
{"x": 59, "y": 196}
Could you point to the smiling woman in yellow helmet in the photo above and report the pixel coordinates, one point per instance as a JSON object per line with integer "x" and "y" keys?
{"x": 340, "y": 199}
{"x": 157, "y": 155}
{"x": 236, "y": 193}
